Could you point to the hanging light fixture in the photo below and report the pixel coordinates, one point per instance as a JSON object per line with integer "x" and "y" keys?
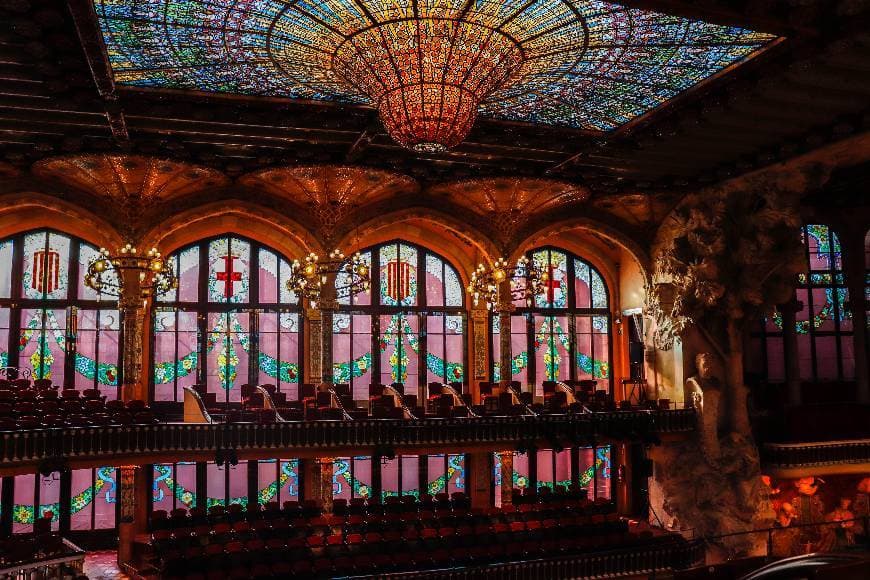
{"x": 307, "y": 277}
{"x": 427, "y": 76}
{"x": 107, "y": 272}
{"x": 527, "y": 280}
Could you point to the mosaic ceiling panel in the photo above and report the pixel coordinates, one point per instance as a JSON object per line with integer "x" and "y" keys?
{"x": 585, "y": 64}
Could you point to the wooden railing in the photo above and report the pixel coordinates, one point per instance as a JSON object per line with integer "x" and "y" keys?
{"x": 33, "y": 446}
{"x": 816, "y": 454}
{"x": 645, "y": 559}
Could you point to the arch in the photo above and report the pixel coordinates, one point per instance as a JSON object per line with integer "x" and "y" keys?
{"x": 26, "y": 211}
{"x": 230, "y": 322}
{"x": 430, "y": 228}
{"x": 258, "y": 223}
{"x": 73, "y": 347}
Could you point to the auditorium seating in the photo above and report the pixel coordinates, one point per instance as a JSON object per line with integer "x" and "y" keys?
{"x": 398, "y": 535}
{"x": 35, "y": 406}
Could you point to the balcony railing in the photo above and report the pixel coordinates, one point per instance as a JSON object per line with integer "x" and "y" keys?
{"x": 816, "y": 454}
{"x": 33, "y": 446}
{"x": 648, "y": 559}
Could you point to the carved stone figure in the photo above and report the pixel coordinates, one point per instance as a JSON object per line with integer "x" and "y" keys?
{"x": 704, "y": 391}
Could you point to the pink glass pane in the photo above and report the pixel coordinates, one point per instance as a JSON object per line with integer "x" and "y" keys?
{"x": 602, "y": 473}
{"x": 362, "y": 474}
{"x": 174, "y": 329}
{"x": 496, "y": 478}
{"x": 23, "y": 503}
{"x": 289, "y": 478}
{"x": 434, "y": 281}
{"x": 4, "y": 336}
{"x": 390, "y": 484}
{"x": 521, "y": 472}
{"x": 410, "y": 474}
{"x": 97, "y": 350}
{"x": 49, "y": 498}
{"x": 43, "y": 336}
{"x": 188, "y": 277}
{"x": 562, "y": 475}
{"x": 587, "y": 470}
{"x": 545, "y": 468}
{"x": 82, "y": 481}
{"x": 6, "y": 247}
{"x": 267, "y": 481}
{"x": 552, "y": 358}
{"x": 582, "y": 285}
{"x": 227, "y": 362}
{"x": 805, "y": 359}
{"x": 435, "y": 468}
{"x": 342, "y": 479}
{"x": 279, "y": 351}
{"x": 106, "y": 498}
{"x": 519, "y": 352}
{"x": 229, "y": 270}
{"x": 268, "y": 277}
{"x": 847, "y": 348}
{"x": 556, "y": 285}
{"x": 455, "y": 473}
{"x": 162, "y": 497}
{"x": 216, "y": 485}
{"x": 399, "y": 349}
{"x": 238, "y": 490}
{"x": 185, "y": 479}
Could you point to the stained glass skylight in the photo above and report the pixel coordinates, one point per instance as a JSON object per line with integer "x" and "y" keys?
{"x": 585, "y": 64}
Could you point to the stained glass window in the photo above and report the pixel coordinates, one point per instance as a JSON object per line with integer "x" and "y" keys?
{"x": 94, "y": 498}
{"x": 565, "y": 335}
{"x": 237, "y": 324}
{"x": 278, "y": 481}
{"x": 590, "y": 65}
{"x": 823, "y": 323}
{"x": 173, "y": 485}
{"x": 50, "y": 322}
{"x": 411, "y": 331}
{"x": 352, "y": 478}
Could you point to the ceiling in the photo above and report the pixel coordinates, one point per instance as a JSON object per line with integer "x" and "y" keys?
{"x": 58, "y": 96}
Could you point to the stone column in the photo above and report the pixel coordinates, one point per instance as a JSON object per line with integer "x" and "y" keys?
{"x": 133, "y": 495}
{"x": 132, "y": 308}
{"x": 854, "y": 269}
{"x": 506, "y": 467}
{"x": 479, "y": 481}
{"x": 790, "y": 349}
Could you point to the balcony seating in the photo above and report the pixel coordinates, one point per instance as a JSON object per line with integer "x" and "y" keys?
{"x": 411, "y": 538}
{"x": 33, "y": 407}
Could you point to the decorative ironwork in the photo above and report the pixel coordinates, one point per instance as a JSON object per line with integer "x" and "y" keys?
{"x": 526, "y": 281}
{"x": 107, "y": 272}
{"x": 309, "y": 277}
{"x": 428, "y": 67}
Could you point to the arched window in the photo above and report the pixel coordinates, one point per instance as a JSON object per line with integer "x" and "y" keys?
{"x": 565, "y": 334}
{"x": 823, "y": 324}
{"x": 50, "y": 322}
{"x": 410, "y": 329}
{"x": 231, "y": 321}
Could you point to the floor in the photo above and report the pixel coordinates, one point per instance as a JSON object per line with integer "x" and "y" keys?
{"x": 103, "y": 566}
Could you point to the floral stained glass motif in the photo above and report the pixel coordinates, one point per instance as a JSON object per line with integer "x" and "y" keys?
{"x": 94, "y": 494}
{"x": 587, "y": 64}
{"x": 242, "y": 325}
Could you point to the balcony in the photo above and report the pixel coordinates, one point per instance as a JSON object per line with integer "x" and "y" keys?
{"x": 112, "y": 443}
{"x": 817, "y": 458}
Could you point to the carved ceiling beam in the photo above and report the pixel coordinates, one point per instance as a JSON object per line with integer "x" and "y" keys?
{"x": 92, "y": 42}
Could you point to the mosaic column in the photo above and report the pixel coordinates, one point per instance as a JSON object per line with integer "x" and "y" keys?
{"x": 506, "y": 466}
{"x": 317, "y": 480}
{"x": 479, "y": 320}
{"x": 505, "y": 309}
{"x": 789, "y": 311}
{"x": 132, "y": 308}
{"x": 134, "y": 502}
{"x": 327, "y": 310}
{"x": 315, "y": 340}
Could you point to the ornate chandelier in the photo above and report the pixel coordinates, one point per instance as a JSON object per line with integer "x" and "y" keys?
{"x": 526, "y": 279}
{"x": 106, "y": 272}
{"x": 307, "y": 278}
{"x": 427, "y": 76}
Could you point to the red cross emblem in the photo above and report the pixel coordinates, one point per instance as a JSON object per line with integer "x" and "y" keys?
{"x": 552, "y": 284}
{"x": 229, "y": 275}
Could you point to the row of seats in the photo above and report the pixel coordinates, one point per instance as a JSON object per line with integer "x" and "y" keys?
{"x": 44, "y": 405}
{"x": 274, "y": 548}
